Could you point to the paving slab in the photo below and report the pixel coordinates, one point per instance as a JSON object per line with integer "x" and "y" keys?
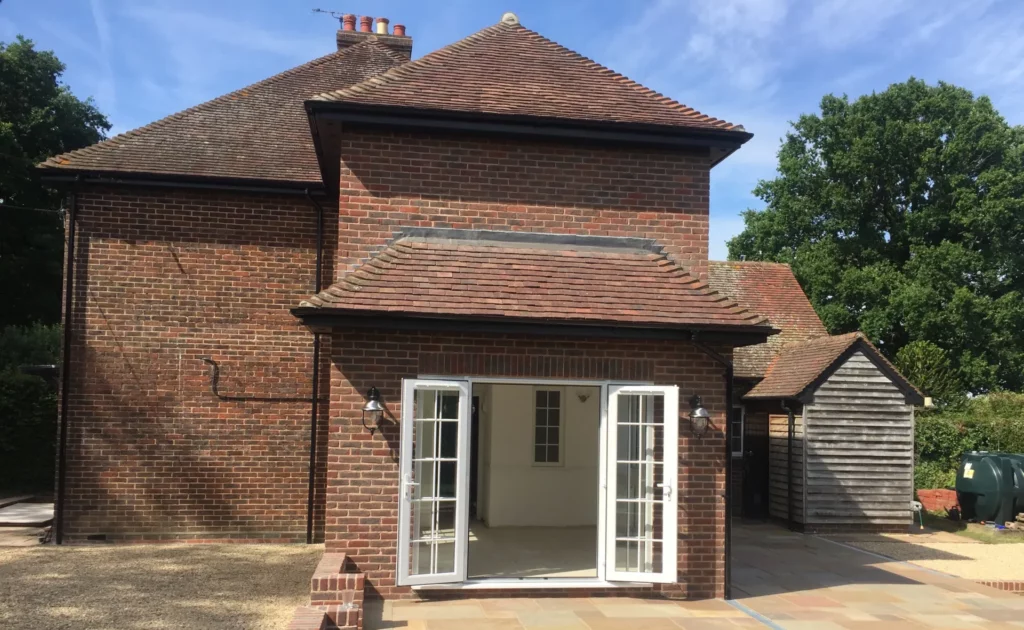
{"x": 803, "y": 581}
{"x": 26, "y": 514}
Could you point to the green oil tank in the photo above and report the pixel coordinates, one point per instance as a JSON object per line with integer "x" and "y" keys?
{"x": 990, "y": 486}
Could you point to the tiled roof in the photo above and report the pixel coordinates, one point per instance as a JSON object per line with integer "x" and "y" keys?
{"x": 257, "y": 132}
{"x": 509, "y": 69}
{"x": 531, "y": 276}
{"x": 771, "y": 290}
{"x": 799, "y": 364}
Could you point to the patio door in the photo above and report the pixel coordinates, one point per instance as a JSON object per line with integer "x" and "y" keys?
{"x": 434, "y": 493}
{"x": 641, "y": 472}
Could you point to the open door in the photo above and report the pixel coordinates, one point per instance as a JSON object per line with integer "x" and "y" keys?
{"x": 641, "y": 474}
{"x": 434, "y": 468}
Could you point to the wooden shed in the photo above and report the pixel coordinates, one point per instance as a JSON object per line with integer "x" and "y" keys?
{"x": 840, "y": 436}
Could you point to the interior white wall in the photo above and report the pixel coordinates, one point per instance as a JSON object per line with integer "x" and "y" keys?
{"x": 518, "y": 493}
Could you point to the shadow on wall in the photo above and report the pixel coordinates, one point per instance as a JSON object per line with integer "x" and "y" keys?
{"x": 151, "y": 450}
{"x": 149, "y": 586}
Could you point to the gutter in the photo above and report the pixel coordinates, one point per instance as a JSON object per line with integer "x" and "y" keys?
{"x": 55, "y": 175}
{"x": 727, "y": 495}
{"x": 65, "y": 375}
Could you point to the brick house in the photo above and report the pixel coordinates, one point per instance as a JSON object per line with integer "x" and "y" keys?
{"x": 503, "y": 245}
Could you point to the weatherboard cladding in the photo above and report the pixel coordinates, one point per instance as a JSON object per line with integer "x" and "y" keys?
{"x": 595, "y": 279}
{"x": 859, "y": 449}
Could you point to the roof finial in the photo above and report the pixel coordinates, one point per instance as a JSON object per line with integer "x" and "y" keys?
{"x": 510, "y": 18}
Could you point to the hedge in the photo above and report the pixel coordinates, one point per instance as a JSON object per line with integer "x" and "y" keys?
{"x": 28, "y": 427}
{"x": 28, "y": 408}
{"x": 994, "y": 422}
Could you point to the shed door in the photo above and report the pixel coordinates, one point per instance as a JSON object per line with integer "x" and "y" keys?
{"x": 434, "y": 509}
{"x": 641, "y": 474}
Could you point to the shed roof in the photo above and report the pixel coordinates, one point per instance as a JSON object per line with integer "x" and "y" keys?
{"x": 529, "y": 276}
{"x": 800, "y": 367}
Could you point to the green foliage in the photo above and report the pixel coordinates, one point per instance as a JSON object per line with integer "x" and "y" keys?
{"x": 994, "y": 422}
{"x": 28, "y": 425}
{"x": 928, "y": 474}
{"x": 928, "y": 367}
{"x": 29, "y": 345}
{"x": 902, "y": 214}
{"x": 39, "y": 118}
{"x": 28, "y": 408}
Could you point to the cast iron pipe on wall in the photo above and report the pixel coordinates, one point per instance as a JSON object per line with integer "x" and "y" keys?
{"x": 65, "y": 373}
{"x": 314, "y": 404}
{"x": 727, "y": 496}
{"x": 789, "y": 463}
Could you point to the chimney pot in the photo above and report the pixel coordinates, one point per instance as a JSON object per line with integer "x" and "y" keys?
{"x": 366, "y": 24}
{"x": 348, "y": 22}
{"x": 399, "y": 30}
{"x": 382, "y": 26}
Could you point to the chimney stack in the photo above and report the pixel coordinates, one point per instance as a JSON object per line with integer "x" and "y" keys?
{"x": 398, "y": 41}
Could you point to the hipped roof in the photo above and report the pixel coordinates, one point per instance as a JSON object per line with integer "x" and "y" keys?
{"x": 483, "y": 275}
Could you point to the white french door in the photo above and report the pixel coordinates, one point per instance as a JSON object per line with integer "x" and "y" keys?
{"x": 641, "y": 469}
{"x": 434, "y": 494}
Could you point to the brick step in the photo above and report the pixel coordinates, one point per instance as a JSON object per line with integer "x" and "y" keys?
{"x": 332, "y": 583}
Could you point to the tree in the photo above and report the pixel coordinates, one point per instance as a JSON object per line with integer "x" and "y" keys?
{"x": 928, "y": 367}
{"x": 39, "y": 118}
{"x": 902, "y": 214}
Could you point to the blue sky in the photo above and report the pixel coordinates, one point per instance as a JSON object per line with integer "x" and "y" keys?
{"x": 759, "y": 63}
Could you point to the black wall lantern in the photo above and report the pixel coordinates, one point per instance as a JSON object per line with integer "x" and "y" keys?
{"x": 700, "y": 418}
{"x": 372, "y": 410}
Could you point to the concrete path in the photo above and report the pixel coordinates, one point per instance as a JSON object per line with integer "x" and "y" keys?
{"x": 795, "y": 581}
{"x": 26, "y": 514}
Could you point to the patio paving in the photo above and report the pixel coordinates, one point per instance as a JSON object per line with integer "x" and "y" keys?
{"x": 601, "y": 613}
{"x": 780, "y": 580}
{"x": 798, "y": 581}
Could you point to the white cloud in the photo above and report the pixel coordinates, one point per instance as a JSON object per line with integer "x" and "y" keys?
{"x": 201, "y": 48}
{"x": 104, "y": 84}
{"x": 992, "y": 56}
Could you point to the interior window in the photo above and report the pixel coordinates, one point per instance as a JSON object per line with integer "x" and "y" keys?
{"x": 736, "y": 431}
{"x": 547, "y": 427}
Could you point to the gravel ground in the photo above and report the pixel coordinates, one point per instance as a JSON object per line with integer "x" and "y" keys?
{"x": 970, "y": 559}
{"x": 154, "y": 586}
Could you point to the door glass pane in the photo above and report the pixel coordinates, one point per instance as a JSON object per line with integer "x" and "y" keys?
{"x": 638, "y": 557}
{"x": 640, "y": 488}
{"x": 434, "y": 481}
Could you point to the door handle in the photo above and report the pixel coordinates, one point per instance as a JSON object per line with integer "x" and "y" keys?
{"x": 409, "y": 484}
{"x": 666, "y": 490}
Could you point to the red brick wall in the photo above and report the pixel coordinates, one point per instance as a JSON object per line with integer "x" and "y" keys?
{"x": 162, "y": 279}
{"x": 393, "y": 180}
{"x": 362, "y": 485}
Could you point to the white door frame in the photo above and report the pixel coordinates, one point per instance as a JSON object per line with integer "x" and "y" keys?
{"x": 405, "y": 517}
{"x": 670, "y": 481}
{"x": 606, "y": 575}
